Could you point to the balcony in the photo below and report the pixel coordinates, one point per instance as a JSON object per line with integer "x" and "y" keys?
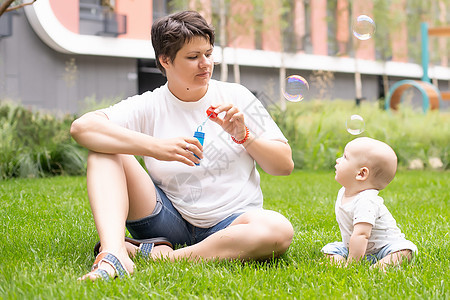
{"x": 99, "y": 20}
{"x": 6, "y": 24}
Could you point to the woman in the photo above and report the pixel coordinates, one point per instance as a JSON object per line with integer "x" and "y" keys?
{"x": 208, "y": 197}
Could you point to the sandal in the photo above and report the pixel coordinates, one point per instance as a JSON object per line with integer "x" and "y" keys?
{"x": 113, "y": 261}
{"x": 145, "y": 246}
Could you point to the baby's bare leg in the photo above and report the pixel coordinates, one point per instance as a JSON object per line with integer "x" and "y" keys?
{"x": 394, "y": 259}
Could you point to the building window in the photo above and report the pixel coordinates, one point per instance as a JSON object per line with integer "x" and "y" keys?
{"x": 163, "y": 8}
{"x": 91, "y": 10}
{"x": 258, "y": 15}
{"x": 96, "y": 19}
{"x": 307, "y": 40}
{"x": 289, "y": 34}
{"x": 6, "y": 24}
{"x": 332, "y": 27}
{"x": 215, "y": 8}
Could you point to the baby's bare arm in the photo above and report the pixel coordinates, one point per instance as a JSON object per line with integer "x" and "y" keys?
{"x": 358, "y": 241}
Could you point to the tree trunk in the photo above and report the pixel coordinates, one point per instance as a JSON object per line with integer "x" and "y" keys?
{"x": 385, "y": 84}
{"x": 358, "y": 84}
{"x": 282, "y": 78}
{"x": 223, "y": 42}
{"x": 5, "y": 6}
{"x": 236, "y": 69}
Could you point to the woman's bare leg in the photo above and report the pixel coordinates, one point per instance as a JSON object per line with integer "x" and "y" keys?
{"x": 254, "y": 235}
{"x": 118, "y": 188}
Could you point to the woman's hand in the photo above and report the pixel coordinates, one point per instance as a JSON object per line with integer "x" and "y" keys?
{"x": 274, "y": 157}
{"x": 182, "y": 149}
{"x": 95, "y": 132}
{"x": 232, "y": 122}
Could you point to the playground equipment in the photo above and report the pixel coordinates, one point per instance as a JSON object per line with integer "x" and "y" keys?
{"x": 431, "y": 96}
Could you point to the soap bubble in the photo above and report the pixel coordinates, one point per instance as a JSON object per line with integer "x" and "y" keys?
{"x": 363, "y": 27}
{"x": 355, "y": 124}
{"x": 296, "y": 87}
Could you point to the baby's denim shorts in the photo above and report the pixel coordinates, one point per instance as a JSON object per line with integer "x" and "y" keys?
{"x": 340, "y": 249}
{"x": 166, "y": 221}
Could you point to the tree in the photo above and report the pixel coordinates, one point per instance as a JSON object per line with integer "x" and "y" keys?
{"x": 10, "y": 5}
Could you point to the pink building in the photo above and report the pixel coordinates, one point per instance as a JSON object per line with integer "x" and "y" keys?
{"x": 62, "y": 52}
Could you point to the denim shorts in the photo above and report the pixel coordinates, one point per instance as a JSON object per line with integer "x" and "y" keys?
{"x": 166, "y": 221}
{"x": 340, "y": 249}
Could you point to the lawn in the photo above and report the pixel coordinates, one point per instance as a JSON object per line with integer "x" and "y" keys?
{"x": 47, "y": 236}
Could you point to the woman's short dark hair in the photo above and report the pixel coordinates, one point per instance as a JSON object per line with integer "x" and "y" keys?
{"x": 170, "y": 33}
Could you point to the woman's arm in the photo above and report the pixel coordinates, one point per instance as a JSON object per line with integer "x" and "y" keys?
{"x": 95, "y": 132}
{"x": 274, "y": 157}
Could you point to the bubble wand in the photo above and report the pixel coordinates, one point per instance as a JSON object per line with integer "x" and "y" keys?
{"x": 198, "y": 134}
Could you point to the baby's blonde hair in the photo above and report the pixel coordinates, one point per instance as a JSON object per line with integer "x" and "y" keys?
{"x": 380, "y": 159}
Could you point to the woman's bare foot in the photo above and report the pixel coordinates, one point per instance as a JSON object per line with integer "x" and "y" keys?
{"x": 124, "y": 261}
{"x": 161, "y": 252}
{"x": 158, "y": 252}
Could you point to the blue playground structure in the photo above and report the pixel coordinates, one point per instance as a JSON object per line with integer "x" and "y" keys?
{"x": 431, "y": 96}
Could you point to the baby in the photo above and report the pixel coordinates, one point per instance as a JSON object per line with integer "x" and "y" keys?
{"x": 367, "y": 227}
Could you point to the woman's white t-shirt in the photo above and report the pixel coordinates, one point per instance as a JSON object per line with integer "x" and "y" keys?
{"x": 226, "y": 181}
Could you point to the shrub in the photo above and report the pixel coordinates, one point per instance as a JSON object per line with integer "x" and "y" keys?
{"x": 37, "y": 144}
{"x": 317, "y": 132}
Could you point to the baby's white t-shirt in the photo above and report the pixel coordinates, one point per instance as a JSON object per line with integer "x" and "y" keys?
{"x": 226, "y": 181}
{"x": 367, "y": 207}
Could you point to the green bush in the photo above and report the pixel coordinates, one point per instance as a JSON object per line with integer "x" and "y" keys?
{"x": 317, "y": 133}
{"x": 37, "y": 144}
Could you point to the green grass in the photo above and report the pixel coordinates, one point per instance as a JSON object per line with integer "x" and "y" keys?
{"x": 47, "y": 235}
